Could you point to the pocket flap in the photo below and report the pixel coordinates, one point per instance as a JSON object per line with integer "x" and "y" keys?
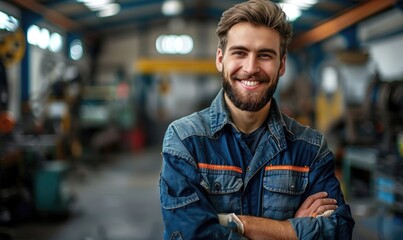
{"x": 221, "y": 183}
{"x": 288, "y": 182}
{"x": 172, "y": 202}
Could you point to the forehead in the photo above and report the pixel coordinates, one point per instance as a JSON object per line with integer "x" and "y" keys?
{"x": 253, "y": 36}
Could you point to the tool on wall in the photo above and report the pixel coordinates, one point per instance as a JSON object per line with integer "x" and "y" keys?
{"x": 12, "y": 47}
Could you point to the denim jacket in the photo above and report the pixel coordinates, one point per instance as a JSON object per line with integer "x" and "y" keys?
{"x": 204, "y": 173}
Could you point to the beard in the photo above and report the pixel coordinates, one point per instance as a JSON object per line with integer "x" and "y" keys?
{"x": 253, "y": 101}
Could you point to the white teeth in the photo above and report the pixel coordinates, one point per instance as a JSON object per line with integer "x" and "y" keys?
{"x": 250, "y": 83}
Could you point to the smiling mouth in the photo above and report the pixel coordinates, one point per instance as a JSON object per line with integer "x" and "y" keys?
{"x": 249, "y": 83}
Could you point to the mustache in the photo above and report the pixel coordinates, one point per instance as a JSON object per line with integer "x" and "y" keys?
{"x": 251, "y": 77}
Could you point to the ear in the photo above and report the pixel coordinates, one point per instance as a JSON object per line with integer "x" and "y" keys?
{"x": 282, "y": 65}
{"x": 218, "y": 59}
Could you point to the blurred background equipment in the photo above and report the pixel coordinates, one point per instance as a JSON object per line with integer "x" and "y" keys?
{"x": 88, "y": 88}
{"x": 12, "y": 46}
{"x": 6, "y": 119}
{"x": 385, "y": 108}
{"x": 30, "y": 184}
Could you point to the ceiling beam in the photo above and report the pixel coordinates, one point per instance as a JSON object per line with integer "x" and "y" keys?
{"x": 337, "y": 24}
{"x": 53, "y": 16}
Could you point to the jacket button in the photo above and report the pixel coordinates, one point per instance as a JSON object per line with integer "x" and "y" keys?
{"x": 217, "y": 186}
{"x": 292, "y": 187}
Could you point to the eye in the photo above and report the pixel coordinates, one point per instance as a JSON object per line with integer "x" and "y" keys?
{"x": 239, "y": 53}
{"x": 265, "y": 56}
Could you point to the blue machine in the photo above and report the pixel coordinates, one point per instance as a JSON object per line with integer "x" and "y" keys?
{"x": 51, "y": 192}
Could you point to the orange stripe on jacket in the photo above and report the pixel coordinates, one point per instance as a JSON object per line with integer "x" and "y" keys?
{"x": 288, "y": 167}
{"x": 219, "y": 167}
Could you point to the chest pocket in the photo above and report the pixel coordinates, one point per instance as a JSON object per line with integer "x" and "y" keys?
{"x": 224, "y": 189}
{"x": 282, "y": 190}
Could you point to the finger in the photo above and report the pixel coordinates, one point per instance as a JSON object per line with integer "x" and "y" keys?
{"x": 324, "y": 201}
{"x": 312, "y": 199}
{"x": 325, "y": 208}
{"x": 324, "y": 214}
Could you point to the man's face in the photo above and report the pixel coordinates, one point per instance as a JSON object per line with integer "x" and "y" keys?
{"x": 251, "y": 65}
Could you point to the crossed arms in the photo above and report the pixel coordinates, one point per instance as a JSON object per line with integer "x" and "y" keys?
{"x": 187, "y": 212}
{"x": 263, "y": 228}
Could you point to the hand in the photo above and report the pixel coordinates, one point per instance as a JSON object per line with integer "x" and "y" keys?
{"x": 232, "y": 221}
{"x": 315, "y": 205}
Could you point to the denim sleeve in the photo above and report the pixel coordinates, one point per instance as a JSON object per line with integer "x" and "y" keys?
{"x": 186, "y": 210}
{"x": 322, "y": 178}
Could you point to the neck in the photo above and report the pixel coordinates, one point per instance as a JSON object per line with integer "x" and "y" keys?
{"x": 245, "y": 121}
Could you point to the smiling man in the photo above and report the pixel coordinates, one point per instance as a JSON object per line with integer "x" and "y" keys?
{"x": 241, "y": 169}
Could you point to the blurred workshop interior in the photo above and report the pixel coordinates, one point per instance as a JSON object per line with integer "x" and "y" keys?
{"x": 88, "y": 88}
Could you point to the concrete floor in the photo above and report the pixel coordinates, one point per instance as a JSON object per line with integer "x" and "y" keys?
{"x": 119, "y": 200}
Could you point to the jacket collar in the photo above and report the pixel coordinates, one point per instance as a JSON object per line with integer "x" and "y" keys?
{"x": 220, "y": 116}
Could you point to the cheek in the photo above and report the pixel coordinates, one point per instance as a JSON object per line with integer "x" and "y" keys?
{"x": 231, "y": 67}
{"x": 271, "y": 70}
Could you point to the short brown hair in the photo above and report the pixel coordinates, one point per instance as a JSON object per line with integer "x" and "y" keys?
{"x": 257, "y": 12}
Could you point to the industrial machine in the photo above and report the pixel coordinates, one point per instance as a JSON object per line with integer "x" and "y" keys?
{"x": 30, "y": 184}
{"x": 385, "y": 106}
{"x": 373, "y": 159}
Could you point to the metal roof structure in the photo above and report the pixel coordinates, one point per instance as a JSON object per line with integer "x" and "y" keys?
{"x": 317, "y": 22}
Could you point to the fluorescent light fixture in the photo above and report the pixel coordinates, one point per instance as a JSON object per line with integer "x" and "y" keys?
{"x": 174, "y": 44}
{"x": 104, "y": 8}
{"x": 7, "y": 22}
{"x": 95, "y": 5}
{"x": 33, "y": 34}
{"x": 76, "y": 50}
{"x": 303, "y": 4}
{"x": 44, "y": 37}
{"x": 172, "y": 7}
{"x": 292, "y": 11}
{"x": 55, "y": 42}
{"x": 109, "y": 10}
{"x": 329, "y": 82}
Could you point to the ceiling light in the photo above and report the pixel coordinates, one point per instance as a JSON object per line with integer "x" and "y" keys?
{"x": 172, "y": 7}
{"x": 109, "y": 10}
{"x": 7, "y": 22}
{"x": 95, "y": 5}
{"x": 55, "y": 42}
{"x": 303, "y": 4}
{"x": 292, "y": 11}
{"x": 33, "y": 34}
{"x": 43, "y": 41}
{"x": 174, "y": 44}
{"x": 104, "y": 8}
{"x": 329, "y": 82}
{"x": 76, "y": 49}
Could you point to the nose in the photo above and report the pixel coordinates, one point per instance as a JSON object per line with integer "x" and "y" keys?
{"x": 251, "y": 65}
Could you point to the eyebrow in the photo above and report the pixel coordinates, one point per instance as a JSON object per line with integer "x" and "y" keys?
{"x": 263, "y": 50}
